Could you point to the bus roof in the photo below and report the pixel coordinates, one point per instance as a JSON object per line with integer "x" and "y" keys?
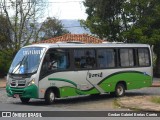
{"x": 73, "y": 45}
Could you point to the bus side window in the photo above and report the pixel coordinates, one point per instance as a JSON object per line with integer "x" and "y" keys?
{"x": 84, "y": 58}
{"x": 77, "y": 62}
{"x": 45, "y": 64}
{"x": 126, "y": 57}
{"x": 143, "y": 57}
{"x": 106, "y": 58}
{"x": 55, "y": 59}
{"x": 61, "y": 59}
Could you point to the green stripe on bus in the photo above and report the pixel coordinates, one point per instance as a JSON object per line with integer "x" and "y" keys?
{"x": 71, "y": 91}
{"x": 64, "y": 80}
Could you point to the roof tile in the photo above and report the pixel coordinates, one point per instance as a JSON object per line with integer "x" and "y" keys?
{"x": 85, "y": 38}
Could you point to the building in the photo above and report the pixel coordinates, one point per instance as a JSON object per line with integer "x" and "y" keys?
{"x": 82, "y": 38}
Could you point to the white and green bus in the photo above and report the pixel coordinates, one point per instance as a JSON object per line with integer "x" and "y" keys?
{"x": 49, "y": 71}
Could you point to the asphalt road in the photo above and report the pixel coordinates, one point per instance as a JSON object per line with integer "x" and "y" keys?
{"x": 84, "y": 103}
{"x": 101, "y": 102}
{"x": 91, "y": 103}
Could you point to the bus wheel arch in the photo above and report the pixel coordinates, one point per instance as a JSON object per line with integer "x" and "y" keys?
{"x": 50, "y": 95}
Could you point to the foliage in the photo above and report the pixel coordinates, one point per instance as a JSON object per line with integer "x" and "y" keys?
{"x": 5, "y": 62}
{"x": 104, "y": 18}
{"x": 21, "y": 23}
{"x": 5, "y": 33}
{"x": 52, "y": 27}
{"x": 5, "y": 45}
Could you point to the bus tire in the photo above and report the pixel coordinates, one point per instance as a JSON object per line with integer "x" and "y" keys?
{"x": 49, "y": 97}
{"x": 24, "y": 100}
{"x": 119, "y": 90}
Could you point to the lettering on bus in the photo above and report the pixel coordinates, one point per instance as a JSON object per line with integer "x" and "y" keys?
{"x": 96, "y": 75}
{"x": 32, "y": 52}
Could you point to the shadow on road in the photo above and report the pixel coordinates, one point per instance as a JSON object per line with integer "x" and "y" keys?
{"x": 131, "y": 94}
{"x": 69, "y": 100}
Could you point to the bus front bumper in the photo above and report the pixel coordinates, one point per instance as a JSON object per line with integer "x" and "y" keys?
{"x": 27, "y": 92}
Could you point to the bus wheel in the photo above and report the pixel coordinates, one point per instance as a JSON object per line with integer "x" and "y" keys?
{"x": 24, "y": 100}
{"x": 49, "y": 97}
{"x": 119, "y": 90}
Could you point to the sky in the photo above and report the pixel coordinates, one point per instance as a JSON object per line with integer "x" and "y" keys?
{"x": 66, "y": 9}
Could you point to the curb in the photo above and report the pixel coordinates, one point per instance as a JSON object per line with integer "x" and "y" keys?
{"x": 155, "y": 84}
{"x": 2, "y": 86}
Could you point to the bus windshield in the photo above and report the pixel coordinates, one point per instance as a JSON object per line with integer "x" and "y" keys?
{"x": 27, "y": 60}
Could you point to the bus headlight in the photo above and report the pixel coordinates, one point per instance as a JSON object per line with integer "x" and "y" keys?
{"x": 31, "y": 82}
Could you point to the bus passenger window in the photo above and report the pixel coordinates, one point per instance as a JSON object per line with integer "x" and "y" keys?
{"x": 143, "y": 57}
{"x": 126, "y": 57}
{"x": 106, "y": 58}
{"x": 84, "y": 58}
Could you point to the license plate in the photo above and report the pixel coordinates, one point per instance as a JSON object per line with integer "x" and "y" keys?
{"x": 16, "y": 95}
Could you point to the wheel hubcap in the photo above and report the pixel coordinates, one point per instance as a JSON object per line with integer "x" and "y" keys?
{"x": 120, "y": 90}
{"x": 51, "y": 96}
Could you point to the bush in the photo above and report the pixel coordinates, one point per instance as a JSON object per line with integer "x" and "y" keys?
{"x": 5, "y": 62}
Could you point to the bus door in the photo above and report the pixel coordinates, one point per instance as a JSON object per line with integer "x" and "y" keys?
{"x": 94, "y": 77}
{"x": 85, "y": 63}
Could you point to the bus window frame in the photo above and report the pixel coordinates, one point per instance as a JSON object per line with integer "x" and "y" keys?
{"x": 149, "y": 55}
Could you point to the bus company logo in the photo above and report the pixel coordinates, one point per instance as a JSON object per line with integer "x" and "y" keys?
{"x": 21, "y": 114}
{"x": 95, "y": 75}
{"x": 6, "y": 114}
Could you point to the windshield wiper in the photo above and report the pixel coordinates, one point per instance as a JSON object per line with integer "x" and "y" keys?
{"x": 19, "y": 63}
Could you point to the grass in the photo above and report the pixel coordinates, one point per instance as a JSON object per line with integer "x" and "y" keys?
{"x": 115, "y": 104}
{"x": 155, "y": 99}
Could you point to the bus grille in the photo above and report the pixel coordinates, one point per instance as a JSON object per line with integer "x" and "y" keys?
{"x": 17, "y": 91}
{"x": 18, "y": 83}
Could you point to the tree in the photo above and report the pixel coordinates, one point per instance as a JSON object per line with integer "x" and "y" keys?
{"x": 5, "y": 34}
{"x": 21, "y": 17}
{"x": 52, "y": 27}
{"x": 104, "y": 18}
